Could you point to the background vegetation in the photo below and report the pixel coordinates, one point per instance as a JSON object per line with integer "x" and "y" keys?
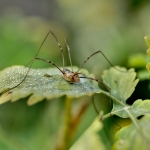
{"x": 115, "y": 27}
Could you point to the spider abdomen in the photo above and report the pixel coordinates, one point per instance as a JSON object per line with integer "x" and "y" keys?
{"x": 71, "y": 76}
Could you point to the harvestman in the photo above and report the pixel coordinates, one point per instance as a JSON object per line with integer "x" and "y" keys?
{"x": 69, "y": 75}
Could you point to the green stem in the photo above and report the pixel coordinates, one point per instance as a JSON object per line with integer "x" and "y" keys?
{"x": 134, "y": 120}
{"x": 68, "y": 119}
{"x": 71, "y": 123}
{"x": 113, "y": 98}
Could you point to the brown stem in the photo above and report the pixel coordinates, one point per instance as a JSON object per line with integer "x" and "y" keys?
{"x": 71, "y": 124}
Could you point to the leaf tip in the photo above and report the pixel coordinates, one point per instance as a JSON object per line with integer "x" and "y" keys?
{"x": 5, "y": 98}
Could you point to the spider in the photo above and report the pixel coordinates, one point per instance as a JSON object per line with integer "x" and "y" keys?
{"x": 69, "y": 75}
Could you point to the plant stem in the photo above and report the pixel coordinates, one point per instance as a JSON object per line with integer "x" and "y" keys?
{"x": 68, "y": 119}
{"x": 71, "y": 123}
{"x": 134, "y": 120}
{"x": 64, "y": 142}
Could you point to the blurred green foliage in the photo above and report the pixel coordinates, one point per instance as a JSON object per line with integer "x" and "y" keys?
{"x": 115, "y": 27}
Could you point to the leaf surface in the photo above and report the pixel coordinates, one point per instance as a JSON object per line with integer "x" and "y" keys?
{"x": 90, "y": 139}
{"x": 132, "y": 138}
{"x": 42, "y": 84}
{"x": 122, "y": 85}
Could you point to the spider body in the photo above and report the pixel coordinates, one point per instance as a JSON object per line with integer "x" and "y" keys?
{"x": 68, "y": 75}
{"x": 71, "y": 76}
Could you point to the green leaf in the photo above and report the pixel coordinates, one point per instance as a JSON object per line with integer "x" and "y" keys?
{"x": 138, "y": 60}
{"x": 90, "y": 139}
{"x": 138, "y": 108}
{"x": 38, "y": 85}
{"x": 148, "y": 52}
{"x": 148, "y": 67}
{"x": 147, "y": 40}
{"x": 131, "y": 138}
{"x": 122, "y": 85}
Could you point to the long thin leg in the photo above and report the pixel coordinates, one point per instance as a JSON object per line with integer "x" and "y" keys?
{"x": 61, "y": 49}
{"x": 31, "y": 63}
{"x": 98, "y": 81}
{"x": 110, "y": 97}
{"x": 94, "y": 105}
{"x": 48, "y": 61}
{"x": 68, "y": 48}
{"x": 104, "y": 57}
